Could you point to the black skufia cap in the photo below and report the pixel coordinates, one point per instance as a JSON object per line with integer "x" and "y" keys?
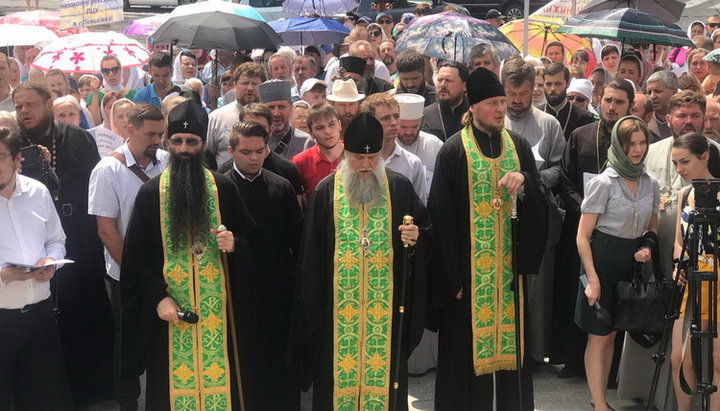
{"x": 353, "y": 64}
{"x": 188, "y": 117}
{"x": 483, "y": 84}
{"x": 364, "y": 135}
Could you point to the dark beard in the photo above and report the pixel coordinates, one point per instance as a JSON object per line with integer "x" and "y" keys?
{"x": 188, "y": 196}
{"x": 33, "y": 134}
{"x": 556, "y": 102}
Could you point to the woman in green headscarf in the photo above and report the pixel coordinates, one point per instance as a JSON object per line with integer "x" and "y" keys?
{"x": 620, "y": 206}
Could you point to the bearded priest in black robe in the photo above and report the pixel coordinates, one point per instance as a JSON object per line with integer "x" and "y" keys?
{"x": 349, "y": 343}
{"x": 173, "y": 262}
{"x": 477, "y": 172}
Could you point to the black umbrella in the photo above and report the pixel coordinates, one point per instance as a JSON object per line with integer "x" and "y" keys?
{"x": 216, "y": 30}
{"x": 667, "y": 10}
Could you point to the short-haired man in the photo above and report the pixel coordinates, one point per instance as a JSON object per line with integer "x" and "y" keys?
{"x": 485, "y": 55}
{"x": 712, "y": 23}
{"x": 630, "y": 69}
{"x": 57, "y": 82}
{"x": 556, "y": 79}
{"x": 643, "y": 108}
{"x": 86, "y": 335}
{"x": 114, "y": 184}
{"x": 318, "y": 161}
{"x": 67, "y": 109}
{"x": 555, "y": 51}
{"x": 270, "y": 199}
{"x": 386, "y": 52}
{"x": 303, "y": 68}
{"x": 385, "y": 20}
{"x": 712, "y": 120}
{"x": 411, "y": 137}
{"x": 443, "y": 118}
{"x": 6, "y": 102}
{"x": 224, "y": 60}
{"x": 661, "y": 86}
{"x": 371, "y": 84}
{"x": 30, "y": 340}
{"x": 284, "y": 139}
{"x": 411, "y": 76}
{"x": 161, "y": 70}
{"x": 387, "y": 111}
{"x": 346, "y": 101}
{"x": 585, "y": 156}
{"x": 376, "y": 67}
{"x": 248, "y": 77}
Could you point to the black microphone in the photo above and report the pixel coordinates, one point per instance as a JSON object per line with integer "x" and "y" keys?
{"x": 188, "y": 317}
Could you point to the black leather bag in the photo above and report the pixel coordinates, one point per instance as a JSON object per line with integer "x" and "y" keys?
{"x": 640, "y": 307}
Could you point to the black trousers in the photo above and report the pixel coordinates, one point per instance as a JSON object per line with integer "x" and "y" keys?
{"x": 32, "y": 369}
{"x": 127, "y": 390}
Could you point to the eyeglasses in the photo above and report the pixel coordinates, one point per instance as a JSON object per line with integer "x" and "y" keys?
{"x": 113, "y": 70}
{"x": 192, "y": 142}
{"x": 577, "y": 98}
{"x": 384, "y": 21}
{"x": 375, "y": 33}
{"x": 713, "y": 25}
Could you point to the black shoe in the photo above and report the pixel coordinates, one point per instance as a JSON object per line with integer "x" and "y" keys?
{"x": 569, "y": 371}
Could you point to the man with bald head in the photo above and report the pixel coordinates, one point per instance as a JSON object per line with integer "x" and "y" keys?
{"x": 364, "y": 50}
{"x": 712, "y": 120}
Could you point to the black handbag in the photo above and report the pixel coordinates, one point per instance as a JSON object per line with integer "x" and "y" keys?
{"x": 640, "y": 307}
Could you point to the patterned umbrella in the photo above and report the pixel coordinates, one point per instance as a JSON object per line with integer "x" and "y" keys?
{"x": 145, "y": 25}
{"x": 217, "y": 5}
{"x": 713, "y": 56}
{"x": 81, "y": 53}
{"x": 309, "y": 31}
{"x": 451, "y": 35}
{"x": 540, "y": 33}
{"x": 322, "y": 8}
{"x": 44, "y": 18}
{"x": 626, "y": 25}
{"x": 20, "y": 35}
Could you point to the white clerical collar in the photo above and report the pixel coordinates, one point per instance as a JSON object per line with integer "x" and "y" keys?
{"x": 243, "y": 175}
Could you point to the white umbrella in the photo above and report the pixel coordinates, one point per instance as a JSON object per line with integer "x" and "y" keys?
{"x": 217, "y": 5}
{"x": 81, "y": 53}
{"x": 21, "y": 35}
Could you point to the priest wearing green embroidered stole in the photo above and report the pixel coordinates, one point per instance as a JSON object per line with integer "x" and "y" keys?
{"x": 173, "y": 261}
{"x": 347, "y": 332}
{"x": 477, "y": 171}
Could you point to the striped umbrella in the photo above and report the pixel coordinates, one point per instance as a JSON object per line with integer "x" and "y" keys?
{"x": 540, "y": 33}
{"x": 626, "y": 25}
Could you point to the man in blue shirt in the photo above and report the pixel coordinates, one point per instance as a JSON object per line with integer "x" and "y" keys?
{"x": 161, "y": 73}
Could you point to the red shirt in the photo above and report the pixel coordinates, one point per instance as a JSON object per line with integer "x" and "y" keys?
{"x": 313, "y": 167}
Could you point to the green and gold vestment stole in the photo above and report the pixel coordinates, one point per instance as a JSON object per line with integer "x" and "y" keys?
{"x": 362, "y": 301}
{"x": 492, "y": 305}
{"x": 197, "y": 353}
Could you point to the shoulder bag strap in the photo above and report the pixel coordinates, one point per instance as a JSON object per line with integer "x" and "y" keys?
{"x": 134, "y": 168}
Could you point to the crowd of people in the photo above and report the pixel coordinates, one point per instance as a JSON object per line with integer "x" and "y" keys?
{"x": 235, "y": 221}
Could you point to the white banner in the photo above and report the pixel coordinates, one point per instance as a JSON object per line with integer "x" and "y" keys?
{"x": 83, "y": 13}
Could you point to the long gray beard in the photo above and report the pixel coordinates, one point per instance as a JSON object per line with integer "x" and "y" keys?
{"x": 362, "y": 190}
{"x": 188, "y": 195}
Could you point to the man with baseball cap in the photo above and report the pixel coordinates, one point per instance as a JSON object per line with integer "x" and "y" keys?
{"x": 495, "y": 18}
{"x": 346, "y": 100}
{"x": 313, "y": 91}
{"x": 284, "y": 139}
{"x": 185, "y": 220}
{"x": 478, "y": 173}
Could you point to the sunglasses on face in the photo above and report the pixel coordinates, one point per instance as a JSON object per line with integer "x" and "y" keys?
{"x": 192, "y": 142}
{"x": 113, "y": 70}
{"x": 375, "y": 33}
{"x": 384, "y": 21}
{"x": 713, "y": 25}
{"x": 577, "y": 98}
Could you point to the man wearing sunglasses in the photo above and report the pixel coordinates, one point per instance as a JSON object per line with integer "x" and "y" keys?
{"x": 112, "y": 75}
{"x": 712, "y": 23}
{"x": 178, "y": 261}
{"x": 385, "y": 20}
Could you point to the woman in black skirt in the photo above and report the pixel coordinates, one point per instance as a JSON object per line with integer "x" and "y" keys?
{"x": 620, "y": 205}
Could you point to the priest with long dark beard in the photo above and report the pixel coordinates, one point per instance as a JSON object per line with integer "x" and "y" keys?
{"x": 477, "y": 171}
{"x": 347, "y": 331}
{"x": 173, "y": 262}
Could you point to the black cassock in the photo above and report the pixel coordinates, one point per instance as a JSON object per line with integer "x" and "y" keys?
{"x": 85, "y": 321}
{"x": 144, "y": 334}
{"x": 313, "y": 333}
{"x": 457, "y": 387}
{"x": 272, "y": 202}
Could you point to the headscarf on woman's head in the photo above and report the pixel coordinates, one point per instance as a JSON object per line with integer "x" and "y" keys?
{"x": 112, "y": 112}
{"x": 617, "y": 50}
{"x": 118, "y": 87}
{"x": 592, "y": 61}
{"x": 24, "y": 67}
{"x": 178, "y": 78}
{"x": 690, "y": 26}
{"x": 19, "y": 64}
{"x": 617, "y": 157}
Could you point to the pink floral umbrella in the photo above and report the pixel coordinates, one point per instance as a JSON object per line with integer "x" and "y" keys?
{"x": 44, "y": 18}
{"x": 82, "y": 53}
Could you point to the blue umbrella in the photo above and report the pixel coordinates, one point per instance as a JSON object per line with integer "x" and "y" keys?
{"x": 300, "y": 31}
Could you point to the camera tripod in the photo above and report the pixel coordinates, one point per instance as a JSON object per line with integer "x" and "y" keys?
{"x": 702, "y": 226}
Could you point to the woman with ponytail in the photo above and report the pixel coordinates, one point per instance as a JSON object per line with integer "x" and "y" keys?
{"x": 620, "y": 206}
{"x": 694, "y": 157}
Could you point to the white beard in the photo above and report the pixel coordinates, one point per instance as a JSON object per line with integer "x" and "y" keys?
{"x": 362, "y": 190}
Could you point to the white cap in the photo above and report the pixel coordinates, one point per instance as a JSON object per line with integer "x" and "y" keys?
{"x": 308, "y": 84}
{"x": 582, "y": 86}
{"x": 345, "y": 91}
{"x": 411, "y": 106}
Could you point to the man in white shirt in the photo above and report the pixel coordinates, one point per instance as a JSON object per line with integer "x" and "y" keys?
{"x": 32, "y": 369}
{"x": 114, "y": 184}
{"x": 386, "y": 110}
{"x": 247, "y": 77}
